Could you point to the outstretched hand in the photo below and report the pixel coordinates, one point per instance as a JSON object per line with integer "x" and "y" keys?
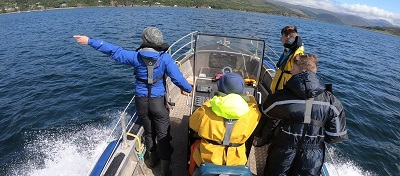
{"x": 81, "y": 39}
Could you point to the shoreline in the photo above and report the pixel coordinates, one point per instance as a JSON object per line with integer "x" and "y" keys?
{"x": 67, "y": 8}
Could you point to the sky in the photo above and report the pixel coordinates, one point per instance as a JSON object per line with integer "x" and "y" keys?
{"x": 388, "y": 10}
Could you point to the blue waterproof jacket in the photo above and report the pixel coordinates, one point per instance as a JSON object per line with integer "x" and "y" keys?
{"x": 165, "y": 64}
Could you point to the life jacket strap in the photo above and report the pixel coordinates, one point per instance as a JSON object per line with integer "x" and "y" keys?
{"x": 227, "y": 136}
{"x": 228, "y": 131}
{"x": 284, "y": 57}
{"x": 307, "y": 112}
{"x": 307, "y": 117}
{"x": 306, "y": 124}
{"x": 150, "y": 68}
{"x": 281, "y": 65}
{"x": 145, "y": 80}
{"x": 220, "y": 143}
{"x": 280, "y": 78}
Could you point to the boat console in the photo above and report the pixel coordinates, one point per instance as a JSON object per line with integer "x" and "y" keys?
{"x": 205, "y": 84}
{"x": 205, "y": 89}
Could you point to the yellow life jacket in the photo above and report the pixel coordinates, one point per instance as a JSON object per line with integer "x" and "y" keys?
{"x": 282, "y": 76}
{"x": 211, "y": 128}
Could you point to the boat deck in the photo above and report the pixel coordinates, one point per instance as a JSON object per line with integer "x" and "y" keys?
{"x": 179, "y": 131}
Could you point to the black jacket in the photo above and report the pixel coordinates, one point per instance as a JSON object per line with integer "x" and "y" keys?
{"x": 284, "y": 128}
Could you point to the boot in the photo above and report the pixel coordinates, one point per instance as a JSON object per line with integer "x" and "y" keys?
{"x": 165, "y": 171}
{"x": 153, "y": 159}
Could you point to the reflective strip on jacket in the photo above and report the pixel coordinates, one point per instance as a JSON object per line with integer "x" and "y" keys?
{"x": 286, "y": 76}
{"x": 284, "y": 128}
{"x": 210, "y": 126}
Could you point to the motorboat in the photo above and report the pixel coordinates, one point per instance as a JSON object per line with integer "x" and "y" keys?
{"x": 202, "y": 58}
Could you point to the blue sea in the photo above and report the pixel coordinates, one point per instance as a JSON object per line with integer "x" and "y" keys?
{"x": 59, "y": 100}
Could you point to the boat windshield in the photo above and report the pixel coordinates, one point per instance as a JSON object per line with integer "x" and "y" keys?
{"x": 217, "y": 55}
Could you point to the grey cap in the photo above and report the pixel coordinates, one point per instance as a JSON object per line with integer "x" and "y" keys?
{"x": 152, "y": 35}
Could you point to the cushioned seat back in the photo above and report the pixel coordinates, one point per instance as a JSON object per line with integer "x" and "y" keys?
{"x": 209, "y": 169}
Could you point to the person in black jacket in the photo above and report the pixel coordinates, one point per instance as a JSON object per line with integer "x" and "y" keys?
{"x": 302, "y": 117}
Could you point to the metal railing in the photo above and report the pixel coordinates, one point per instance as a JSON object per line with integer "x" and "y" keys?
{"x": 192, "y": 36}
{"x": 123, "y": 136}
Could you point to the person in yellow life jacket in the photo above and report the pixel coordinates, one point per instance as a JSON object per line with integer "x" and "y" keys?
{"x": 224, "y": 124}
{"x": 293, "y": 47}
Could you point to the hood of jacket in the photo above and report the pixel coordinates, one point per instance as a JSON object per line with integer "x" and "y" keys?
{"x": 231, "y": 106}
{"x": 305, "y": 85}
{"x": 293, "y": 43}
{"x": 150, "y": 53}
{"x": 162, "y": 47}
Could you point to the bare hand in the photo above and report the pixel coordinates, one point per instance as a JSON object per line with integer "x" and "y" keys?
{"x": 81, "y": 39}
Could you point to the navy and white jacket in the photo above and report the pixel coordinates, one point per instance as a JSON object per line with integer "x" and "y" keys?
{"x": 165, "y": 65}
{"x": 286, "y": 109}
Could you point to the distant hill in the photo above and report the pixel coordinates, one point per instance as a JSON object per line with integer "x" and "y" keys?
{"x": 379, "y": 22}
{"x": 383, "y": 29}
{"x": 262, "y": 6}
{"x": 328, "y": 16}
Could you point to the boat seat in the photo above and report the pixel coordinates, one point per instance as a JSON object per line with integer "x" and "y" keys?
{"x": 208, "y": 169}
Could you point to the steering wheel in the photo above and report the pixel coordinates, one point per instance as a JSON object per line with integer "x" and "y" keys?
{"x": 226, "y": 70}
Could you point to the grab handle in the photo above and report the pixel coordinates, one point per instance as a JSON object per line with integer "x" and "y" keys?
{"x": 259, "y": 97}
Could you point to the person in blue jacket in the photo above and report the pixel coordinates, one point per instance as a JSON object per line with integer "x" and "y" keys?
{"x": 151, "y": 62}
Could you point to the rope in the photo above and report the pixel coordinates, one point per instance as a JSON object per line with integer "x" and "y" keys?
{"x": 137, "y": 138}
{"x": 139, "y": 152}
{"x": 178, "y": 63}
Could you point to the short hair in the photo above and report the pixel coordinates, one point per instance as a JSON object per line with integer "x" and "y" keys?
{"x": 289, "y": 30}
{"x": 308, "y": 62}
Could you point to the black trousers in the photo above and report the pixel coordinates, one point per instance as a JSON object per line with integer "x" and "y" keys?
{"x": 156, "y": 122}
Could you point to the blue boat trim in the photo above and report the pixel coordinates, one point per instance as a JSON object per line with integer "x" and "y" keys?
{"x": 103, "y": 158}
{"x": 268, "y": 64}
{"x": 324, "y": 171}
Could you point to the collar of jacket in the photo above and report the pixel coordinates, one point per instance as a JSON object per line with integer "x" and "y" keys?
{"x": 221, "y": 94}
{"x": 230, "y": 106}
{"x": 163, "y": 47}
{"x": 148, "y": 50}
{"x": 293, "y": 44}
{"x": 305, "y": 85}
{"x": 150, "y": 53}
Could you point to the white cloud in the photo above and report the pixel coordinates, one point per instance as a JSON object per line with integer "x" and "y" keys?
{"x": 362, "y": 10}
{"x": 371, "y": 12}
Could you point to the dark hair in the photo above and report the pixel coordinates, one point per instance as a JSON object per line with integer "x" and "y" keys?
{"x": 308, "y": 62}
{"x": 287, "y": 30}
